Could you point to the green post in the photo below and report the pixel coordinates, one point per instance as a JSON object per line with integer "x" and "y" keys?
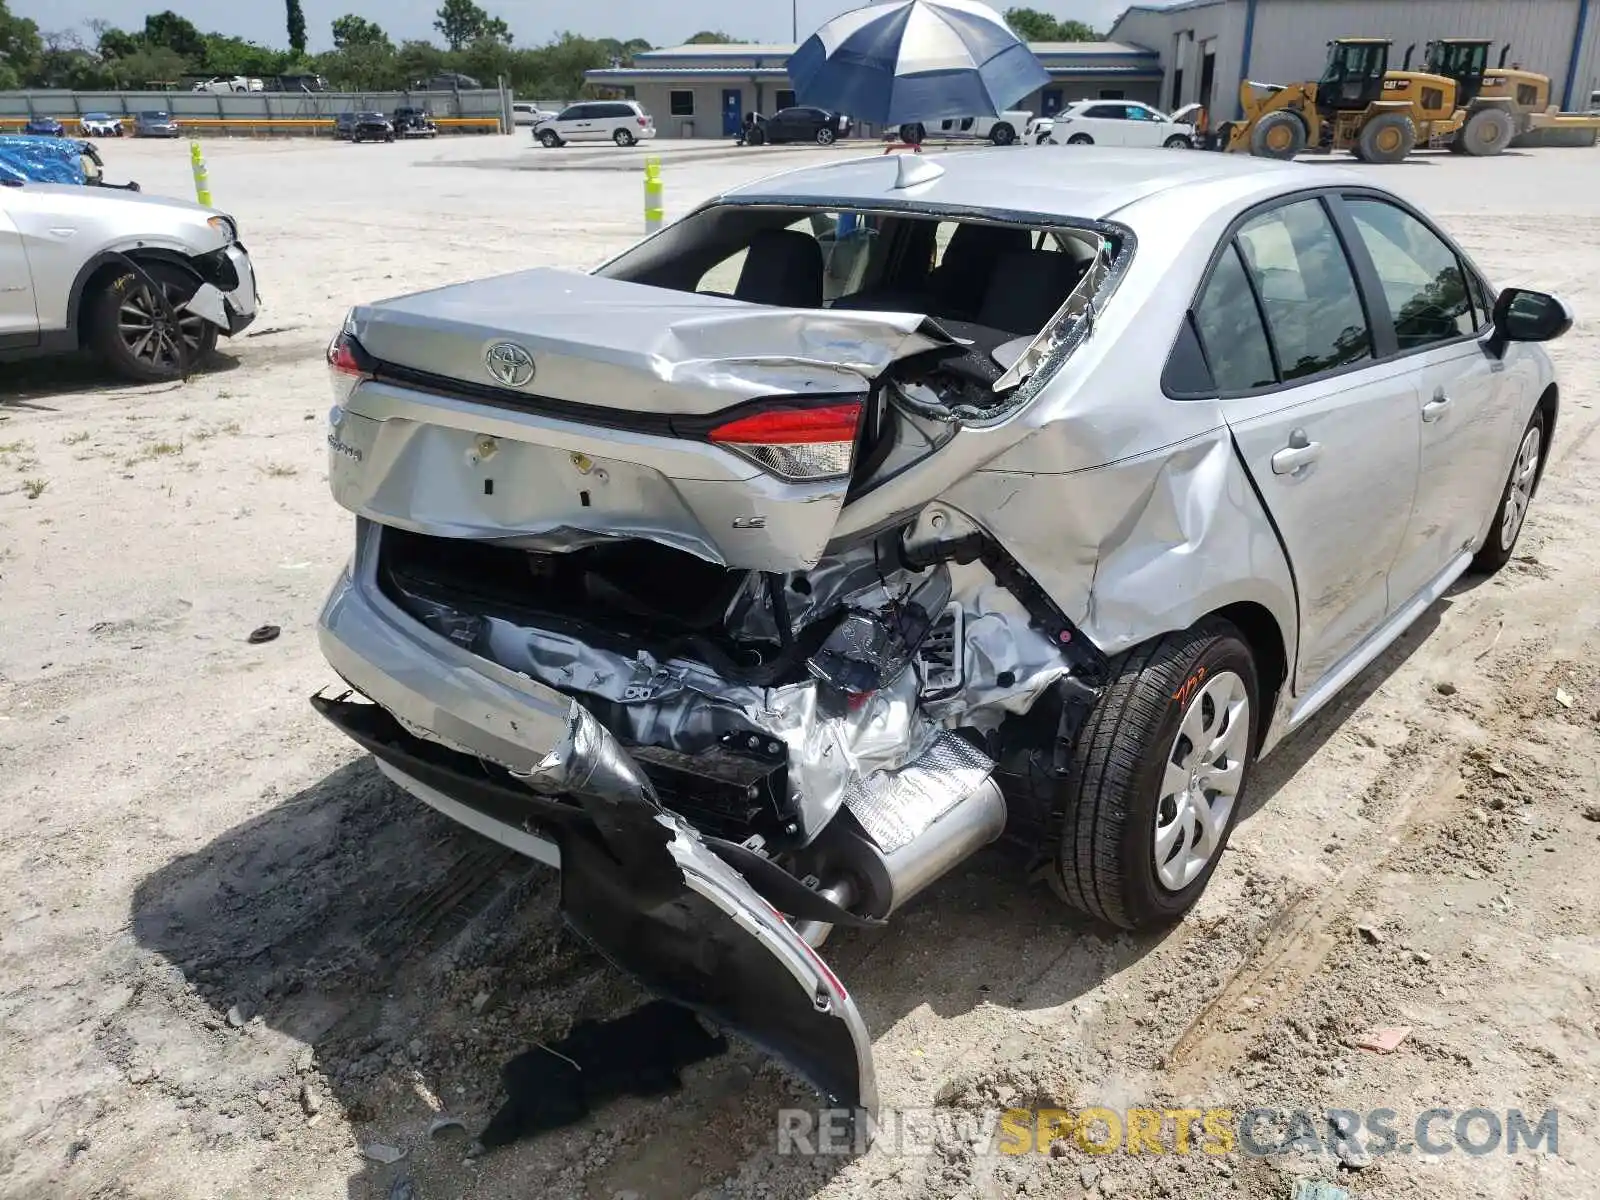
{"x": 652, "y": 194}
{"x": 202, "y": 184}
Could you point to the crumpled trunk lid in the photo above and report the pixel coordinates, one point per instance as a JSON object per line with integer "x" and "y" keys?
{"x": 610, "y": 344}
{"x": 553, "y": 411}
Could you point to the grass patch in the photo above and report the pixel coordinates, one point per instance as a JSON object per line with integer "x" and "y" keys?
{"x": 34, "y": 488}
{"x": 154, "y": 451}
{"x": 279, "y": 470}
{"x": 15, "y": 447}
{"x": 73, "y": 439}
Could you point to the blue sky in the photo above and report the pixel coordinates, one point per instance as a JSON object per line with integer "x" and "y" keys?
{"x": 531, "y": 22}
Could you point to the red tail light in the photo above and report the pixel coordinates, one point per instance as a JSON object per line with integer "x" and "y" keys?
{"x": 643, "y": 121}
{"x": 347, "y": 364}
{"x": 797, "y": 443}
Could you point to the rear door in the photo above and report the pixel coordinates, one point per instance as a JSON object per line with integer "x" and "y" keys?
{"x": 1328, "y": 432}
{"x": 19, "y": 322}
{"x": 1470, "y": 410}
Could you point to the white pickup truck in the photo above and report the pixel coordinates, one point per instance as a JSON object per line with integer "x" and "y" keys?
{"x": 1001, "y": 130}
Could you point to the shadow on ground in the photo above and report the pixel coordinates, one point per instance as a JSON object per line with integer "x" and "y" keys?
{"x": 416, "y": 957}
{"x": 33, "y": 384}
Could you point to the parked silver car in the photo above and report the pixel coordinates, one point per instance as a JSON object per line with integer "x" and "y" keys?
{"x": 873, "y": 511}
{"x": 146, "y": 282}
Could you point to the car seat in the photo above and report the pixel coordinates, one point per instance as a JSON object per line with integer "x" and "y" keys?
{"x": 782, "y": 267}
{"x": 1027, "y": 288}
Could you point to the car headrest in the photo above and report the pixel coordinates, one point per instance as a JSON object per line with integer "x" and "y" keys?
{"x": 1027, "y": 288}
{"x": 782, "y": 267}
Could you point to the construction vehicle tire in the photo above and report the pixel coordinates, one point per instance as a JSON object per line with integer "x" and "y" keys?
{"x": 1487, "y": 133}
{"x": 1279, "y": 135}
{"x": 1387, "y": 138}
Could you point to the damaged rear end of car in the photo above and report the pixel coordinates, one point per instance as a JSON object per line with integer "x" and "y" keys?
{"x": 614, "y": 601}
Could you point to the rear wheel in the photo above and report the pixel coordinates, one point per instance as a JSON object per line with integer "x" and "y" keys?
{"x": 622, "y": 137}
{"x": 1387, "y": 138}
{"x": 911, "y": 135}
{"x": 1003, "y": 134}
{"x": 548, "y": 139}
{"x": 1514, "y": 501}
{"x": 1080, "y": 139}
{"x": 825, "y": 136}
{"x": 130, "y": 327}
{"x": 1487, "y": 133}
{"x": 1157, "y": 778}
{"x": 1280, "y": 135}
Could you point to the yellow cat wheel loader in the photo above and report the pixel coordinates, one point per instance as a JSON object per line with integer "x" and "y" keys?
{"x": 1523, "y": 97}
{"x": 1358, "y": 105}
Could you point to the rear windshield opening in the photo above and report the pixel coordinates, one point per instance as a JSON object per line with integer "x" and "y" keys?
{"x": 989, "y": 282}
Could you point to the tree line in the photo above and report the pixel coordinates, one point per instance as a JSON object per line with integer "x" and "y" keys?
{"x": 170, "y": 48}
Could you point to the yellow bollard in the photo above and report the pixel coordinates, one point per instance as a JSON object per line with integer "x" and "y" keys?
{"x": 202, "y": 184}
{"x": 652, "y": 194}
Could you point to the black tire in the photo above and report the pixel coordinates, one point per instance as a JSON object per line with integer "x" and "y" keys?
{"x": 548, "y": 139}
{"x": 912, "y": 135}
{"x": 623, "y": 138}
{"x": 1487, "y": 133}
{"x": 1003, "y": 134}
{"x": 1279, "y": 135}
{"x": 826, "y": 136}
{"x": 1498, "y": 548}
{"x": 103, "y": 313}
{"x": 1387, "y": 138}
{"x": 1080, "y": 139}
{"x": 1177, "y": 142}
{"x": 1104, "y": 860}
{"x": 756, "y": 137}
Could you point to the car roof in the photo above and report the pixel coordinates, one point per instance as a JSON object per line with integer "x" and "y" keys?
{"x": 1053, "y": 181}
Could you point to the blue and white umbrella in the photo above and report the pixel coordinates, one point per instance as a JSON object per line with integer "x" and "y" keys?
{"x": 915, "y": 60}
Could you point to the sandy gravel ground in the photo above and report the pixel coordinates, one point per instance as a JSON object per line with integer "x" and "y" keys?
{"x": 231, "y": 956}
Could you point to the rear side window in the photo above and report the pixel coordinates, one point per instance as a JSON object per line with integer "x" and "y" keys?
{"x": 1108, "y": 112}
{"x": 1422, "y": 278}
{"x": 1230, "y": 328}
{"x": 1307, "y": 289}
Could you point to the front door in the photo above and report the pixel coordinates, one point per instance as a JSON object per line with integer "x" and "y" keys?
{"x": 1328, "y": 433}
{"x": 732, "y": 111}
{"x": 1468, "y": 410}
{"x": 578, "y": 124}
{"x": 19, "y": 322}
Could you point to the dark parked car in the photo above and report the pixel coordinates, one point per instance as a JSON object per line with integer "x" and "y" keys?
{"x": 414, "y": 122}
{"x": 371, "y": 127}
{"x": 448, "y": 81}
{"x": 155, "y": 124}
{"x": 45, "y": 127}
{"x": 800, "y": 124}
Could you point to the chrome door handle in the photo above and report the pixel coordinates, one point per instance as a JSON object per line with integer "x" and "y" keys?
{"x": 1296, "y": 456}
{"x": 1436, "y": 408}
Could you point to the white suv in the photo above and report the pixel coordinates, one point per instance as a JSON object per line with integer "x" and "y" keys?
{"x": 619, "y": 121}
{"x": 1120, "y": 123}
{"x": 1002, "y": 130}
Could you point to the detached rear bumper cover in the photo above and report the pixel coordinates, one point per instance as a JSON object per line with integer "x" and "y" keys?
{"x": 637, "y": 880}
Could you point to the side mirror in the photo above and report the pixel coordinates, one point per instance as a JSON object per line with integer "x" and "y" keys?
{"x": 1526, "y": 316}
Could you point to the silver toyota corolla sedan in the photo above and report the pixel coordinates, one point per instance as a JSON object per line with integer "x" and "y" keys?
{"x": 879, "y": 509}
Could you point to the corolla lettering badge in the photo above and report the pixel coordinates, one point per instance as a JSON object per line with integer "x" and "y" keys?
{"x": 509, "y": 363}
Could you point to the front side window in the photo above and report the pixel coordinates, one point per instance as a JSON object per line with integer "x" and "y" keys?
{"x": 681, "y": 104}
{"x": 1421, "y": 276}
{"x": 1307, "y": 289}
{"x": 576, "y": 113}
{"x": 1230, "y": 329}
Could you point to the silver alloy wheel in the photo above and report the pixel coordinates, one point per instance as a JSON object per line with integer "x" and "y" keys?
{"x": 151, "y": 336}
{"x": 1201, "y": 783}
{"x": 1520, "y": 494}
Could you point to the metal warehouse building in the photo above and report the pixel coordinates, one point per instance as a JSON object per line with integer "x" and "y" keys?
{"x": 704, "y": 91}
{"x": 1207, "y": 47}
